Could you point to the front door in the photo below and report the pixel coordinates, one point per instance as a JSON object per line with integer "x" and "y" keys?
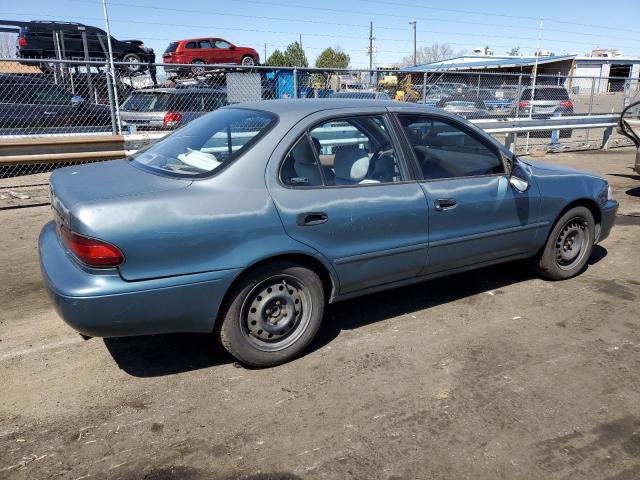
{"x": 475, "y": 215}
{"x": 343, "y": 189}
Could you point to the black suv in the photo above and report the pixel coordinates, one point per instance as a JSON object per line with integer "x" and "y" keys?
{"x": 36, "y": 40}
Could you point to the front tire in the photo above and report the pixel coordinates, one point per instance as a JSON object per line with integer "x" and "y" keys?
{"x": 132, "y": 60}
{"x": 273, "y": 314}
{"x": 248, "y": 61}
{"x": 198, "y": 67}
{"x": 569, "y": 245}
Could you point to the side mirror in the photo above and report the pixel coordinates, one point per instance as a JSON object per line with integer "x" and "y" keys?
{"x": 232, "y": 47}
{"x": 517, "y": 178}
{"x": 77, "y": 100}
{"x": 518, "y": 183}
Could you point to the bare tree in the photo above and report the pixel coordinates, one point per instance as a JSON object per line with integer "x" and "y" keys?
{"x": 7, "y": 45}
{"x": 434, "y": 53}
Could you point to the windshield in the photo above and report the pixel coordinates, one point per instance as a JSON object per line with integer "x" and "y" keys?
{"x": 147, "y": 102}
{"x": 206, "y": 145}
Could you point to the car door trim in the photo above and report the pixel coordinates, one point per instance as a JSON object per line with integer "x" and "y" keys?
{"x": 492, "y": 233}
{"x": 379, "y": 253}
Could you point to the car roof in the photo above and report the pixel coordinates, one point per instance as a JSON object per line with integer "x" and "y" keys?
{"x": 181, "y": 90}
{"x": 297, "y": 108}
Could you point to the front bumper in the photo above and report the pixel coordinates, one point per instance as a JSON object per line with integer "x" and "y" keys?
{"x": 99, "y": 303}
{"x": 608, "y": 219}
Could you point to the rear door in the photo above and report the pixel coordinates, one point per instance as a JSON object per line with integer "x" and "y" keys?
{"x": 207, "y": 52}
{"x": 341, "y": 186}
{"x": 475, "y": 216}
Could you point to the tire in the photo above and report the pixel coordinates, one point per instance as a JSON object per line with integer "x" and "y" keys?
{"x": 132, "y": 58}
{"x": 248, "y": 61}
{"x": 569, "y": 245}
{"x": 198, "y": 68}
{"x": 260, "y": 332}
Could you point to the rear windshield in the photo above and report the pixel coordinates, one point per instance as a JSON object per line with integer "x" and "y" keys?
{"x": 147, "y": 102}
{"x": 172, "y": 47}
{"x": 546, "y": 94}
{"x": 206, "y": 145}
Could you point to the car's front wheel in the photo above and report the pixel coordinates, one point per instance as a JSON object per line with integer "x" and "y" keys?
{"x": 248, "y": 61}
{"x": 569, "y": 245}
{"x": 198, "y": 67}
{"x": 272, "y": 314}
{"x": 132, "y": 60}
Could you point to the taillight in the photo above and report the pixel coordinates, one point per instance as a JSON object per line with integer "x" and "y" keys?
{"x": 22, "y": 42}
{"x": 171, "y": 119}
{"x": 91, "y": 251}
{"x": 566, "y": 104}
{"x": 524, "y": 104}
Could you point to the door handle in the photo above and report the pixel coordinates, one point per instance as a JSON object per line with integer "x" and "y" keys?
{"x": 445, "y": 204}
{"x": 312, "y": 218}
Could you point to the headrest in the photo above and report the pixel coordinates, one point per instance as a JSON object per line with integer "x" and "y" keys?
{"x": 302, "y": 153}
{"x": 351, "y": 164}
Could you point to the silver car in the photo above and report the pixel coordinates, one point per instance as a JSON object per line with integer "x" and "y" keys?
{"x": 169, "y": 108}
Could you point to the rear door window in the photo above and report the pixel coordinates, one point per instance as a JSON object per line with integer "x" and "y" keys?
{"x": 191, "y": 45}
{"x": 205, "y": 44}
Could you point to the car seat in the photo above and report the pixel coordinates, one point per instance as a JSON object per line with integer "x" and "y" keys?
{"x": 351, "y": 166}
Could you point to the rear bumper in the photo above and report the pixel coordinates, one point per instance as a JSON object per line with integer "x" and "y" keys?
{"x": 99, "y": 303}
{"x": 608, "y": 219}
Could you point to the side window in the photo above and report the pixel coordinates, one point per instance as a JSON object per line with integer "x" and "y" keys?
{"x": 356, "y": 151}
{"x": 221, "y": 44}
{"x": 445, "y": 151}
{"x": 190, "y": 45}
{"x": 205, "y": 44}
{"x": 300, "y": 167}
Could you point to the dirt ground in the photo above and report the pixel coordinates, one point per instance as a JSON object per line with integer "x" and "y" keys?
{"x": 490, "y": 375}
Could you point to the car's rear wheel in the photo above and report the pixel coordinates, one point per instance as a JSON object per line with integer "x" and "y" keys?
{"x": 198, "y": 67}
{"x": 248, "y": 61}
{"x": 569, "y": 245}
{"x": 132, "y": 60}
{"x": 272, "y": 314}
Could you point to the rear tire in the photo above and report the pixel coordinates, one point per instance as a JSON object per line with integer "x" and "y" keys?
{"x": 198, "y": 68}
{"x": 272, "y": 315}
{"x": 132, "y": 59}
{"x": 569, "y": 245}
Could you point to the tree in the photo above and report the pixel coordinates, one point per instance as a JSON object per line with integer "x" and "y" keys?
{"x": 514, "y": 51}
{"x": 330, "y": 58}
{"x": 277, "y": 59}
{"x": 295, "y": 55}
{"x": 7, "y": 45}
{"x": 434, "y": 53}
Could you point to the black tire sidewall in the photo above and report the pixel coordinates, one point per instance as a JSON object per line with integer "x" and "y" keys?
{"x": 547, "y": 265}
{"x": 230, "y": 329}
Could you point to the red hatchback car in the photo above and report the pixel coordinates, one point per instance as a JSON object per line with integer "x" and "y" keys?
{"x": 202, "y": 51}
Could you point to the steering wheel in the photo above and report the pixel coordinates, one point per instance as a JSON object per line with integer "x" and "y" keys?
{"x": 381, "y": 150}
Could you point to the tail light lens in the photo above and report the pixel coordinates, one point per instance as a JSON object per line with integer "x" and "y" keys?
{"x": 91, "y": 251}
{"x": 171, "y": 119}
{"x": 22, "y": 42}
{"x": 566, "y": 104}
{"x": 524, "y": 104}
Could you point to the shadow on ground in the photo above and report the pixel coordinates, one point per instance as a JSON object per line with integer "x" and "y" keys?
{"x": 158, "y": 355}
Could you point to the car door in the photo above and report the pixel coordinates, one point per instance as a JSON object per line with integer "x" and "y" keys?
{"x": 475, "y": 215}
{"x": 341, "y": 186}
{"x": 207, "y": 52}
{"x": 223, "y": 51}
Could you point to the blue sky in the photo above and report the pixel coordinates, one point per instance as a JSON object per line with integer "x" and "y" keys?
{"x": 569, "y": 26}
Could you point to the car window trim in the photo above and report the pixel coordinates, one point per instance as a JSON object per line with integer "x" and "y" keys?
{"x": 395, "y": 141}
{"x": 461, "y": 126}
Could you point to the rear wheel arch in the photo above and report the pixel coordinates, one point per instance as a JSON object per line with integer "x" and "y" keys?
{"x": 329, "y": 282}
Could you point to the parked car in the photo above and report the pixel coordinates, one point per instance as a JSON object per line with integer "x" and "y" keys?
{"x": 494, "y": 104}
{"x": 629, "y": 126}
{"x": 248, "y": 220}
{"x": 199, "y": 52}
{"x": 548, "y": 101}
{"x": 362, "y": 95}
{"x": 435, "y": 93}
{"x": 456, "y": 87}
{"x": 467, "y": 106}
{"x": 169, "y": 108}
{"x": 31, "y": 103}
{"x": 36, "y": 40}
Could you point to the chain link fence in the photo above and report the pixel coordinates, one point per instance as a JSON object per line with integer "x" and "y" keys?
{"x": 53, "y": 99}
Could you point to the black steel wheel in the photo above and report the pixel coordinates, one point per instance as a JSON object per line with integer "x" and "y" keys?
{"x": 272, "y": 314}
{"x": 568, "y": 246}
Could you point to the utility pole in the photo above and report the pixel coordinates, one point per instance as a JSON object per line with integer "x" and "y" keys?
{"x": 111, "y": 67}
{"x": 300, "y": 40}
{"x": 370, "y": 46}
{"x": 265, "y": 52}
{"x": 415, "y": 56}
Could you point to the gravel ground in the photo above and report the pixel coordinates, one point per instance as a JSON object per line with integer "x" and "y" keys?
{"x": 488, "y": 375}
